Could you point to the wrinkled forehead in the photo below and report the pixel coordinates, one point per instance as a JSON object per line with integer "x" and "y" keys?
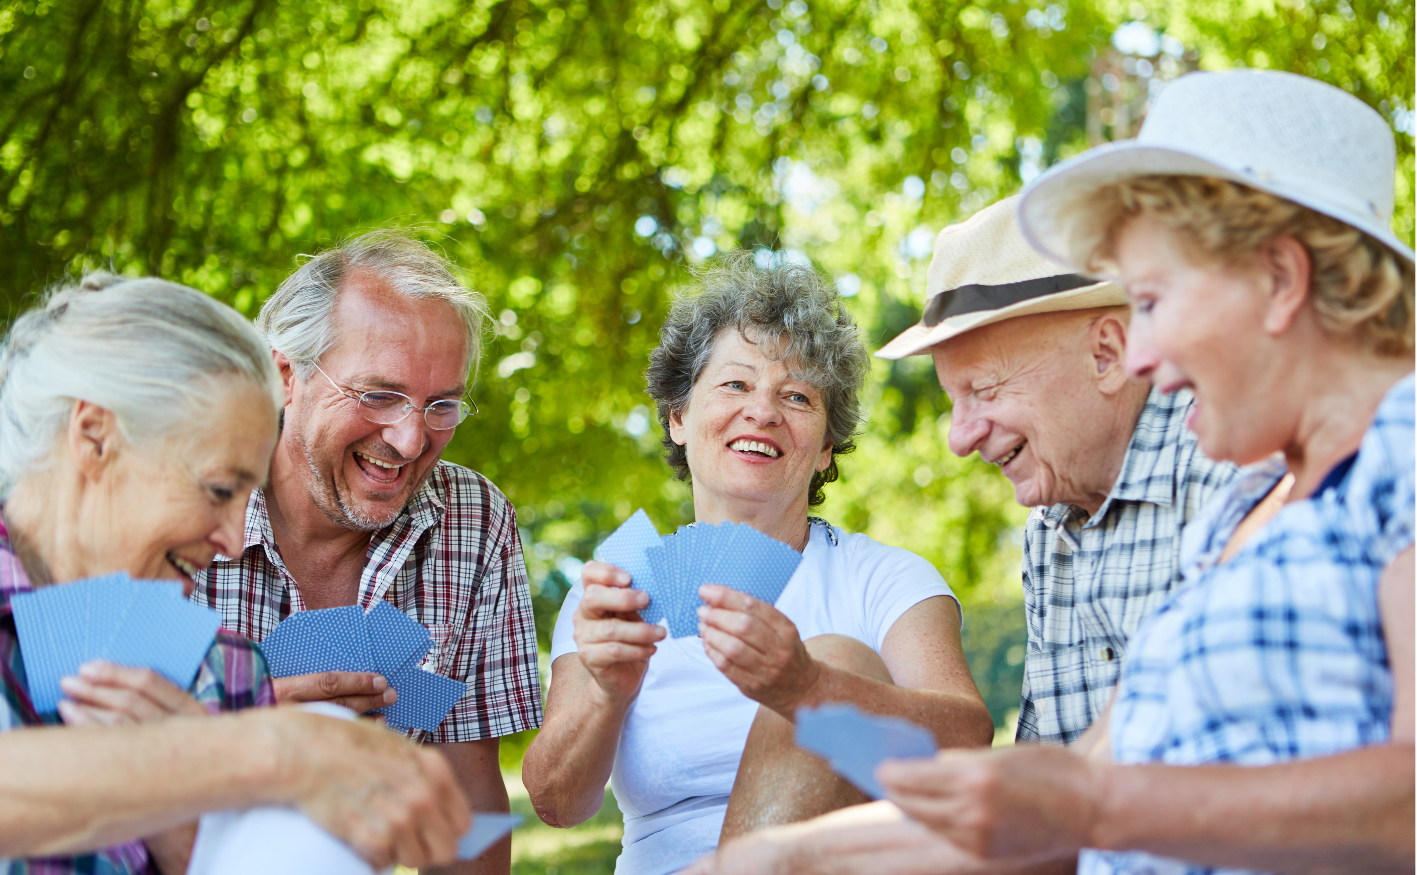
{"x": 759, "y": 345}
{"x": 991, "y": 352}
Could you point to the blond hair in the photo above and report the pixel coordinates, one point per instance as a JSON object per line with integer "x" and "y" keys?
{"x": 1360, "y": 289}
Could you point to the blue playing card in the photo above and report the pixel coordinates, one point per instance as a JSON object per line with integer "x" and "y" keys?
{"x": 855, "y": 743}
{"x": 330, "y": 639}
{"x": 163, "y": 631}
{"x": 487, "y": 829}
{"x": 625, "y": 548}
{"x": 395, "y": 639}
{"x": 424, "y": 699}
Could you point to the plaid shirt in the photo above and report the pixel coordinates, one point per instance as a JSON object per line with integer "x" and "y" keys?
{"x": 232, "y": 677}
{"x": 1089, "y": 582}
{"x": 1277, "y": 654}
{"x": 452, "y": 560}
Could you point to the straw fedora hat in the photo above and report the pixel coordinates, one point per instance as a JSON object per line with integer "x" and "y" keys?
{"x": 983, "y": 272}
{"x": 1289, "y": 135}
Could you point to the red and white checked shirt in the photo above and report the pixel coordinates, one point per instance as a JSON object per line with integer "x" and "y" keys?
{"x": 452, "y": 560}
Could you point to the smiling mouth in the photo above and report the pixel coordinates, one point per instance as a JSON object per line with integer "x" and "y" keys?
{"x": 757, "y": 448}
{"x": 1009, "y": 456}
{"x": 187, "y": 569}
{"x": 378, "y": 469}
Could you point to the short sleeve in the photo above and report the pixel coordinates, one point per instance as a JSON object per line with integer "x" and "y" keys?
{"x": 893, "y": 581}
{"x": 563, "y": 638}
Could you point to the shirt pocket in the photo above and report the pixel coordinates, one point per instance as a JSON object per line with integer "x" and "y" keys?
{"x": 442, "y": 656}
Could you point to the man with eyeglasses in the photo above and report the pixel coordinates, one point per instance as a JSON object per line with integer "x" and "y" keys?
{"x": 375, "y": 341}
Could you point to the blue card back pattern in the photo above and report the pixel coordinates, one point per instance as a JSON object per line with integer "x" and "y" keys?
{"x": 855, "y": 743}
{"x": 137, "y": 623}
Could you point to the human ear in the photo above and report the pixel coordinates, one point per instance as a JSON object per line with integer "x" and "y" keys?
{"x": 1287, "y": 264}
{"x": 1107, "y": 345}
{"x": 287, "y": 375}
{"x": 676, "y": 427}
{"x": 93, "y": 438}
{"x": 824, "y": 459}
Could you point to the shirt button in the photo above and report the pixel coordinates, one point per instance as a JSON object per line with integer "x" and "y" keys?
{"x": 1108, "y": 655}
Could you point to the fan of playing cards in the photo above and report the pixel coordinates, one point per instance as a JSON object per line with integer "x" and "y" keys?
{"x": 672, "y": 568}
{"x": 137, "y": 623}
{"x": 385, "y": 641}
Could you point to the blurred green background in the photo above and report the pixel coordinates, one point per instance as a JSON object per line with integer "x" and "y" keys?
{"x": 576, "y": 158}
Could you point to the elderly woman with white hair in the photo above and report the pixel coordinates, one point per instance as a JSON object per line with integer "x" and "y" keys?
{"x": 756, "y": 379}
{"x": 136, "y": 416}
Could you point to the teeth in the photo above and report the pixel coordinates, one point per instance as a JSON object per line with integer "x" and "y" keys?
{"x": 1001, "y": 462}
{"x": 747, "y": 446}
{"x": 375, "y": 461}
{"x": 183, "y": 565}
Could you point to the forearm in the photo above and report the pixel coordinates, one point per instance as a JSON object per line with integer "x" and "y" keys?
{"x": 956, "y": 720}
{"x": 874, "y": 838}
{"x": 1347, "y": 813}
{"x": 478, "y": 771}
{"x": 569, "y": 761}
{"x": 65, "y": 790}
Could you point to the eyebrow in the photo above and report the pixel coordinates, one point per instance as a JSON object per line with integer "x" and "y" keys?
{"x": 379, "y": 383}
{"x": 752, "y": 368}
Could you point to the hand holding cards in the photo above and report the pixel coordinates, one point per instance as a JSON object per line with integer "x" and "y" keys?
{"x": 134, "y": 623}
{"x": 672, "y": 568}
{"x": 385, "y": 641}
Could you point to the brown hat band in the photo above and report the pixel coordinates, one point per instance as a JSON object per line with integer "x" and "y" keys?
{"x": 974, "y": 298}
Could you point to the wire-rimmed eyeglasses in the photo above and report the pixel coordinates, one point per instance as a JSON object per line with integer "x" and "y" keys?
{"x": 387, "y": 408}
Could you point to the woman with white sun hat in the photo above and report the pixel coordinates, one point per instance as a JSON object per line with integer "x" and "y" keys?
{"x": 1248, "y": 223}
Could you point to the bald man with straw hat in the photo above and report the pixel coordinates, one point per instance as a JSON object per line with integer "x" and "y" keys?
{"x": 1032, "y": 359}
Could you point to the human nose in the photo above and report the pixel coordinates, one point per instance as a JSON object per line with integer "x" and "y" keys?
{"x": 407, "y": 435}
{"x": 1141, "y": 359}
{"x": 763, "y": 409}
{"x": 967, "y": 430}
{"x": 231, "y": 528}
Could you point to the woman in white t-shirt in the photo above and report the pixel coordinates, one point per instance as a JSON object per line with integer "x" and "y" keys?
{"x": 756, "y": 379}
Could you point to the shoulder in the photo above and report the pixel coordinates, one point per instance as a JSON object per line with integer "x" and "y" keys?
{"x": 867, "y": 559}
{"x": 452, "y": 483}
{"x": 470, "y": 500}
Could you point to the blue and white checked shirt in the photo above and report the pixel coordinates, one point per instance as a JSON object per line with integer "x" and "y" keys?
{"x": 1088, "y": 582}
{"x": 1278, "y": 654}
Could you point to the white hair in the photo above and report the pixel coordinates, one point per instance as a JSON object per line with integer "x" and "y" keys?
{"x": 298, "y": 319}
{"x": 147, "y": 350}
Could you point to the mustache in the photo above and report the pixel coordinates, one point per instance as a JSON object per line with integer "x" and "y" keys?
{"x": 381, "y": 450}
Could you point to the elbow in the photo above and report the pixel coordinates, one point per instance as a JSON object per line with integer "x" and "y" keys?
{"x": 547, "y": 800}
{"x": 984, "y": 726}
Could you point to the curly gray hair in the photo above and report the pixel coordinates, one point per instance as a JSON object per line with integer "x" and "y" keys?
{"x": 789, "y": 308}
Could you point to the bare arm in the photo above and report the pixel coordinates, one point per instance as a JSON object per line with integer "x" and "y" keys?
{"x": 568, "y": 763}
{"x": 479, "y": 773}
{"x": 758, "y": 648}
{"x": 860, "y": 840}
{"x": 68, "y": 790}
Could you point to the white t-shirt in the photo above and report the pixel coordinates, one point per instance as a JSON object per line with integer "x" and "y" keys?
{"x": 683, "y": 736}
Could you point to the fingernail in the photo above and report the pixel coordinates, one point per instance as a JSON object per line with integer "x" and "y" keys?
{"x": 69, "y": 683}
{"x": 703, "y": 610}
{"x": 622, "y": 577}
{"x": 379, "y": 683}
{"x": 91, "y": 669}
{"x": 641, "y": 598}
{"x": 390, "y": 695}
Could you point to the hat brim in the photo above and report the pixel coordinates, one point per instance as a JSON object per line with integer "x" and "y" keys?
{"x": 918, "y": 338}
{"x": 1047, "y": 201}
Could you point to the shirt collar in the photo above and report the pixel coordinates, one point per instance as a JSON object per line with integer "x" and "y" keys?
{"x": 1150, "y": 467}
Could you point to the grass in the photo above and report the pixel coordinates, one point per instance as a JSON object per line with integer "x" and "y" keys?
{"x": 537, "y": 849}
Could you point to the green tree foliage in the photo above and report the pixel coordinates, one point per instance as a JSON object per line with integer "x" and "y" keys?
{"x": 577, "y": 157}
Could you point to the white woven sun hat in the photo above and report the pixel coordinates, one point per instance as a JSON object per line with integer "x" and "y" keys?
{"x": 983, "y": 272}
{"x": 1289, "y": 135}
